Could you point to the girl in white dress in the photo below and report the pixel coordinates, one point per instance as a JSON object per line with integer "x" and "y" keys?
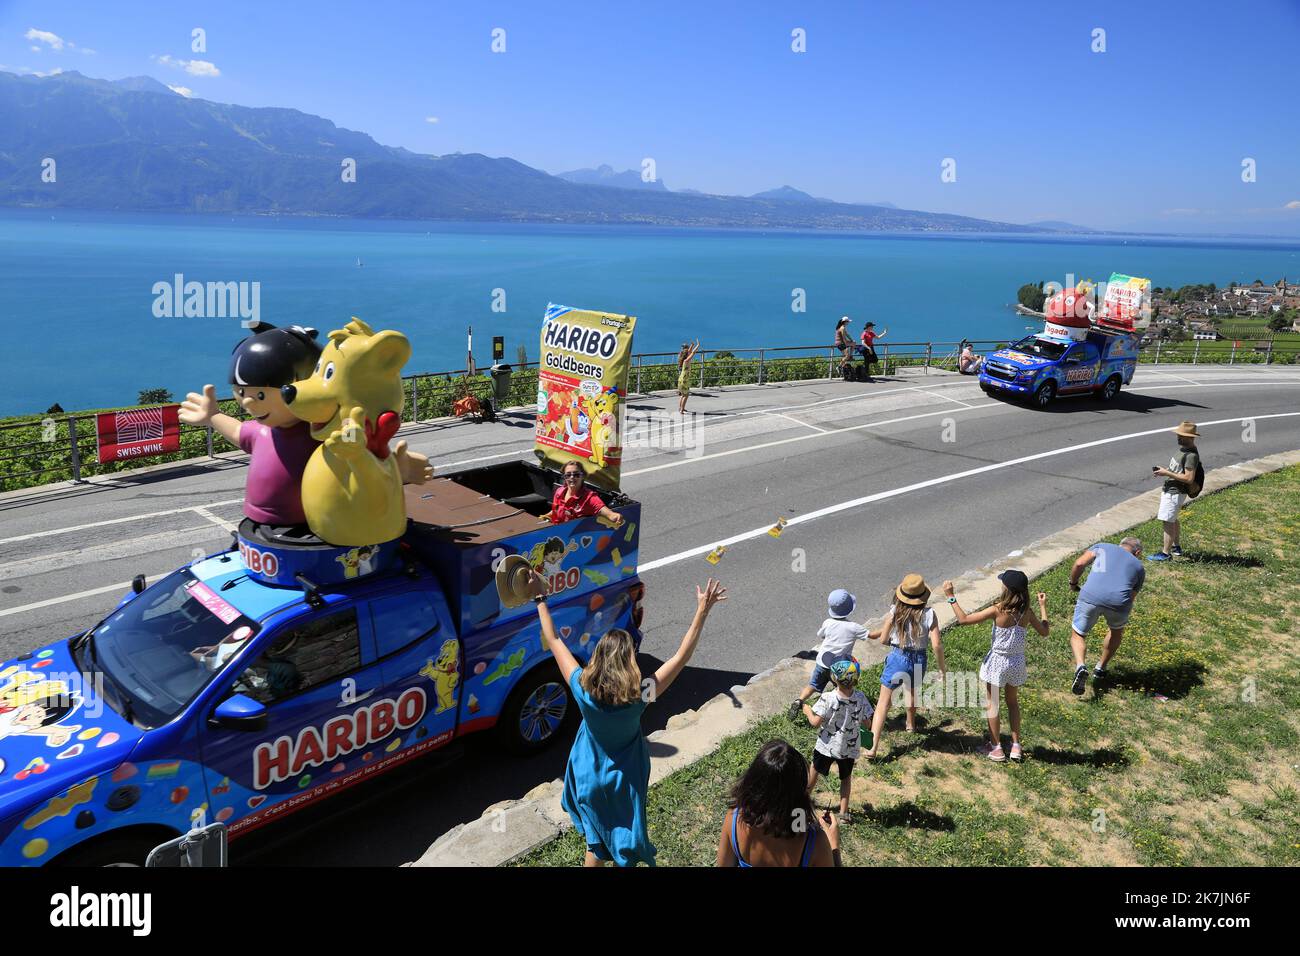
{"x": 1004, "y": 665}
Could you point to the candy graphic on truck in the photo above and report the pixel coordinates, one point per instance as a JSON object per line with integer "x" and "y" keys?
{"x": 581, "y": 386}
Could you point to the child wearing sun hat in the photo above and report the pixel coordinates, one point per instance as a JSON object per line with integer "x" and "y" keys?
{"x": 838, "y": 635}
{"x": 909, "y": 628}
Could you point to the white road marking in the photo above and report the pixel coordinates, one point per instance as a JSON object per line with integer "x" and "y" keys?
{"x": 786, "y": 441}
{"x": 1181, "y": 378}
{"x": 110, "y": 551}
{"x": 791, "y": 418}
{"x": 726, "y": 418}
{"x": 1209, "y": 385}
{"x": 929, "y": 483}
{"x": 205, "y": 513}
{"x": 946, "y": 398}
{"x": 48, "y": 602}
{"x": 101, "y": 524}
{"x": 443, "y": 466}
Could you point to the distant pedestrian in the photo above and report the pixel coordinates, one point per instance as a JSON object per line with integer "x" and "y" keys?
{"x": 771, "y": 821}
{"x": 1113, "y": 584}
{"x": 869, "y": 336}
{"x": 1183, "y": 478}
{"x": 1004, "y": 665}
{"x": 840, "y": 717}
{"x": 844, "y": 342}
{"x": 907, "y": 626}
{"x": 608, "y": 774}
{"x": 838, "y": 635}
{"x": 684, "y": 358}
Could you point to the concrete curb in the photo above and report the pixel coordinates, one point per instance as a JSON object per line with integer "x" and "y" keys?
{"x": 507, "y": 831}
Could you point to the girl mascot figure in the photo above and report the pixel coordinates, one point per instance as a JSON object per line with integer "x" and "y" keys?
{"x": 278, "y": 443}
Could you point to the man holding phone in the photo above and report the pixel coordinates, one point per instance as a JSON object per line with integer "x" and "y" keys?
{"x": 1179, "y": 477}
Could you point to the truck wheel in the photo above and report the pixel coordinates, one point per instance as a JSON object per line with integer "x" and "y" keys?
{"x": 1046, "y": 392}
{"x": 537, "y": 712}
{"x": 123, "y": 850}
{"x": 1110, "y": 389}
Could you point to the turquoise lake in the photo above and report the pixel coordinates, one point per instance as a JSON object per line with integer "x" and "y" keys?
{"x": 76, "y": 290}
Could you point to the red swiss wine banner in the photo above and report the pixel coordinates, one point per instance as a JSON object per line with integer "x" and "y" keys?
{"x": 138, "y": 433}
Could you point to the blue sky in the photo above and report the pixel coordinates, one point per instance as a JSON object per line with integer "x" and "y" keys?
{"x": 1149, "y": 134}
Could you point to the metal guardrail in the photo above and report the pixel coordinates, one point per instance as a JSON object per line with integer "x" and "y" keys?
{"x": 55, "y": 448}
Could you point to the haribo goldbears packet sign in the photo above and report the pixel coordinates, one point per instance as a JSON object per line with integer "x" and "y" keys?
{"x": 581, "y": 388}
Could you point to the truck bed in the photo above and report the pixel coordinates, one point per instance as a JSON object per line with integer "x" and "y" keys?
{"x": 481, "y": 530}
{"x": 465, "y": 515}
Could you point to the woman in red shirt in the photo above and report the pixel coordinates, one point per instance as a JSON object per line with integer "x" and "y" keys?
{"x": 869, "y": 336}
{"x": 573, "y": 499}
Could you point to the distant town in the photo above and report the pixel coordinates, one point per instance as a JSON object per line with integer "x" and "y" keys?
{"x": 1208, "y": 313}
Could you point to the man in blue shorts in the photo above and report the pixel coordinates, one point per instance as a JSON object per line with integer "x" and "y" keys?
{"x": 1116, "y": 577}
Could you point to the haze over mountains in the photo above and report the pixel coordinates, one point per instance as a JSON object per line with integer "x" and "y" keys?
{"x": 136, "y": 145}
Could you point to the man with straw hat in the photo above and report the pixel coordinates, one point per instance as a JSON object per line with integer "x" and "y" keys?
{"x": 1180, "y": 481}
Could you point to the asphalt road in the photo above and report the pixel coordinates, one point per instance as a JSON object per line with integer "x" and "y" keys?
{"x": 915, "y": 473}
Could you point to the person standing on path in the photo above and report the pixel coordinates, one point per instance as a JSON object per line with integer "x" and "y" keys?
{"x": 844, "y": 342}
{"x": 869, "y": 336}
{"x": 1113, "y": 584}
{"x": 1004, "y": 665}
{"x": 684, "y": 374}
{"x": 608, "y": 774}
{"x": 1180, "y": 480}
{"x": 771, "y": 821}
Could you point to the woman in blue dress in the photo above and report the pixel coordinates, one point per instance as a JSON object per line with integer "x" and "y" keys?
{"x": 608, "y": 776}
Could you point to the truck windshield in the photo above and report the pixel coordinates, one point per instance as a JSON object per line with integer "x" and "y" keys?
{"x": 1040, "y": 347}
{"x": 164, "y": 646}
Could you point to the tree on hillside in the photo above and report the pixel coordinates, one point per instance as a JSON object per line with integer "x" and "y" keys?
{"x": 1280, "y": 322}
{"x": 1032, "y": 296}
{"x": 155, "y": 396}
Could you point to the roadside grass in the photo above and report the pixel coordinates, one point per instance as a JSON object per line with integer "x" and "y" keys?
{"x": 1188, "y": 756}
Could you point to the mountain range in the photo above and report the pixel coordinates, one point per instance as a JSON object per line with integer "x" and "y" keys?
{"x": 135, "y": 145}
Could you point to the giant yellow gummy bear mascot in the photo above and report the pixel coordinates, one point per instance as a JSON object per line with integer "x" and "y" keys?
{"x": 352, "y": 488}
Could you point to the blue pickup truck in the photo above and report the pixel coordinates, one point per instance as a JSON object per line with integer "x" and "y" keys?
{"x": 1041, "y": 367}
{"x": 215, "y": 696}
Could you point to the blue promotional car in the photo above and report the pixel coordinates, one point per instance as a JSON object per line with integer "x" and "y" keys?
{"x": 1041, "y": 367}
{"x": 215, "y": 696}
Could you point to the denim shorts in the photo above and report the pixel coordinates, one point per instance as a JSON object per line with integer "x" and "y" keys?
{"x": 821, "y": 676}
{"x": 903, "y": 668}
{"x": 1086, "y": 614}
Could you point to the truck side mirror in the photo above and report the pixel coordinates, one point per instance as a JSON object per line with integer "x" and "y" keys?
{"x": 139, "y": 583}
{"x": 238, "y": 712}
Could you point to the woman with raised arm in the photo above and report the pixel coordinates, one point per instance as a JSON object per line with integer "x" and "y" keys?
{"x": 684, "y": 373}
{"x": 1004, "y": 665}
{"x": 608, "y": 774}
